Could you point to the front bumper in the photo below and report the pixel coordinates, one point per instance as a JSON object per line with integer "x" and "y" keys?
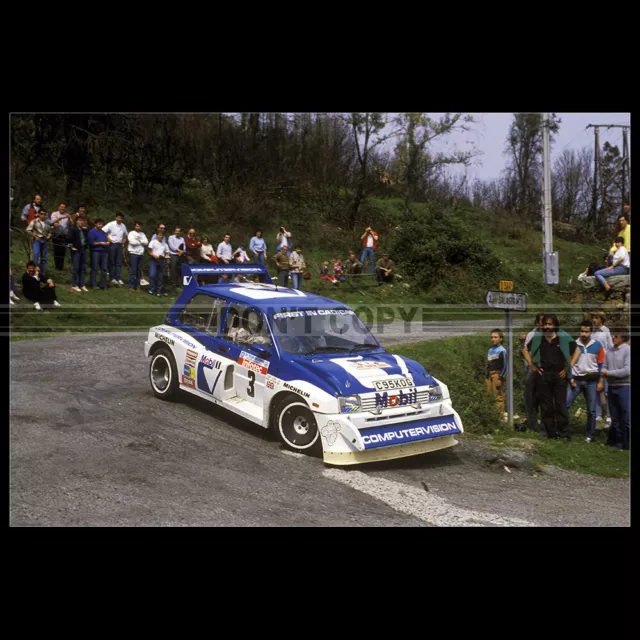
{"x": 147, "y": 348}
{"x": 366, "y": 437}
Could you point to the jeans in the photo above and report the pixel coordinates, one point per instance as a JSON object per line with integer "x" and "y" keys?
{"x": 588, "y": 388}
{"x": 552, "y": 393}
{"x": 260, "y": 258}
{"x": 620, "y": 405}
{"x": 41, "y": 252}
{"x": 99, "y": 259}
{"x": 156, "y": 274}
{"x": 531, "y": 402}
{"x": 115, "y": 261}
{"x": 135, "y": 270}
{"x": 283, "y": 278}
{"x": 382, "y": 277}
{"x": 368, "y": 251}
{"x": 616, "y": 271}
{"x": 175, "y": 263}
{"x": 59, "y": 251}
{"x": 603, "y": 395}
{"x": 296, "y": 280}
{"x": 79, "y": 263}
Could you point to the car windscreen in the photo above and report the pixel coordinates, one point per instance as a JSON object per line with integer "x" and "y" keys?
{"x": 322, "y": 331}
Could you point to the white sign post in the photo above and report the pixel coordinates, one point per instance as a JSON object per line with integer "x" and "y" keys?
{"x": 511, "y": 301}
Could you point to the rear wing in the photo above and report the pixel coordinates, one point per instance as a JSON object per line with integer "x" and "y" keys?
{"x": 194, "y": 275}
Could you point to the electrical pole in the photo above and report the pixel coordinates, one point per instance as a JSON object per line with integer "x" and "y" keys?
{"x": 551, "y": 275}
{"x": 626, "y": 195}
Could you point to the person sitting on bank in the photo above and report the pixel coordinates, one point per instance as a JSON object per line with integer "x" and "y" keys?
{"x": 384, "y": 269}
{"x": 36, "y": 291}
{"x": 623, "y": 230}
{"x": 619, "y": 267}
{"x": 353, "y": 265}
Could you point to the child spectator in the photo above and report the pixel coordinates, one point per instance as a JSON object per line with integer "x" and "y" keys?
{"x": 496, "y": 368}
{"x": 338, "y": 270}
{"x": 325, "y": 275}
{"x": 35, "y": 290}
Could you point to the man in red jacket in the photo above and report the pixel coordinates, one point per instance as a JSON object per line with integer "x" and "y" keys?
{"x": 370, "y": 242}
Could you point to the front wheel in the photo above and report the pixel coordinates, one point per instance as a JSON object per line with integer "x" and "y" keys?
{"x": 163, "y": 374}
{"x": 296, "y": 426}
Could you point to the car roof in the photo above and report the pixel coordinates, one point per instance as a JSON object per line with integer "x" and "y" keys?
{"x": 269, "y": 297}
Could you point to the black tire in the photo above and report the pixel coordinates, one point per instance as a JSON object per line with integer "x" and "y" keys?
{"x": 163, "y": 374}
{"x": 296, "y": 427}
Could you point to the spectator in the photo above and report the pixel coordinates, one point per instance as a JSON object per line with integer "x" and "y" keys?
{"x": 370, "y": 242}
{"x": 35, "y": 290}
{"x": 117, "y": 236}
{"x": 30, "y": 212}
{"x": 207, "y": 254}
{"x": 61, "y": 226}
{"x": 619, "y": 266}
{"x": 586, "y": 374}
{"x": 137, "y": 242}
{"x": 12, "y": 289}
{"x": 240, "y": 255}
{"x": 623, "y": 230}
{"x": 193, "y": 247}
{"x": 338, "y": 270}
{"x": 618, "y": 371}
{"x": 384, "y": 269}
{"x": 354, "y": 266}
{"x": 496, "y": 368}
{"x": 297, "y": 267}
{"x": 281, "y": 261}
{"x": 224, "y": 279}
{"x": 531, "y": 402}
{"x": 81, "y": 212}
{"x": 99, "y": 253}
{"x": 79, "y": 240}
{"x": 549, "y": 354}
{"x": 224, "y": 252}
{"x": 259, "y": 247}
{"x": 158, "y": 250}
{"x": 602, "y": 334}
{"x": 161, "y": 227}
{"x": 283, "y": 239}
{"x": 40, "y": 230}
{"x": 325, "y": 275}
{"x": 177, "y": 250}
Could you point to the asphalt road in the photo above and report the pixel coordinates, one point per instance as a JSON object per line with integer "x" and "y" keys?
{"x": 92, "y": 446}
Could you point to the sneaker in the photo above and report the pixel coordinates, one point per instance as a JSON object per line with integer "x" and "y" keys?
{"x": 56, "y": 303}
{"x": 587, "y": 439}
{"x": 78, "y": 289}
{"x": 13, "y": 296}
{"x": 159, "y": 295}
{"x": 12, "y": 302}
{"x": 607, "y": 423}
{"x": 150, "y": 292}
{"x": 165, "y": 294}
{"x": 84, "y": 288}
{"x": 143, "y": 282}
{"x": 36, "y": 306}
{"x": 120, "y": 282}
{"x": 114, "y": 281}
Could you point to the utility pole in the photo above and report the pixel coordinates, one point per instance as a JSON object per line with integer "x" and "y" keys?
{"x": 626, "y": 195}
{"x": 550, "y": 263}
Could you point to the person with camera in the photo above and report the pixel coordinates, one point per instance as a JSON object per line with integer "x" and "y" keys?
{"x": 283, "y": 239}
{"x": 370, "y": 242}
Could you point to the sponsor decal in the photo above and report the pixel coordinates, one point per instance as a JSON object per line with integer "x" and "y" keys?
{"x": 368, "y": 364}
{"x": 409, "y": 432}
{"x": 330, "y": 432}
{"x": 177, "y": 337}
{"x": 192, "y": 354}
{"x": 314, "y": 312}
{"x": 189, "y": 372}
{"x": 402, "y": 399}
{"x": 210, "y": 363}
{"x": 188, "y": 382}
{"x": 186, "y": 280}
{"x": 249, "y": 361}
{"x": 270, "y": 384}
{"x": 166, "y": 339}
{"x": 393, "y": 383}
{"x": 304, "y": 394}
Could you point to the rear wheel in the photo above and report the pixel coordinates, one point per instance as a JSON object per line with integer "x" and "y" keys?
{"x": 163, "y": 374}
{"x": 296, "y": 426}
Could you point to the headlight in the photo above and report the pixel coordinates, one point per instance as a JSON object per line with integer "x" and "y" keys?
{"x": 349, "y": 403}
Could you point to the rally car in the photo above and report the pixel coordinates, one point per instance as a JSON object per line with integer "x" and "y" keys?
{"x": 300, "y": 364}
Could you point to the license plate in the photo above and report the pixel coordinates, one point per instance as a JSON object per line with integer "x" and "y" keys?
{"x": 394, "y": 383}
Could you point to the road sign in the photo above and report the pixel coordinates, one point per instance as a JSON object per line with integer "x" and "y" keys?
{"x": 509, "y": 301}
{"x": 506, "y": 285}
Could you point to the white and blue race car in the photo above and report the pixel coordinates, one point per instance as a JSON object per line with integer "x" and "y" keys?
{"x": 298, "y": 363}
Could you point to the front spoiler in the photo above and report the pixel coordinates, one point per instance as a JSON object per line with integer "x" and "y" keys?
{"x": 343, "y": 458}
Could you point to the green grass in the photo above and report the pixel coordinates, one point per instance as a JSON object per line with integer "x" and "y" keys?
{"x": 460, "y": 363}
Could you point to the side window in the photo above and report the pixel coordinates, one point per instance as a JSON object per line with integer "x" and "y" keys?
{"x": 203, "y": 313}
{"x": 246, "y": 325}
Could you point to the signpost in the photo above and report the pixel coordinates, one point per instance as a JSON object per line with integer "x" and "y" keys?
{"x": 508, "y": 300}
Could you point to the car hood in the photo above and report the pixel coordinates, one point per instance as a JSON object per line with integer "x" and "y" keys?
{"x": 348, "y": 375}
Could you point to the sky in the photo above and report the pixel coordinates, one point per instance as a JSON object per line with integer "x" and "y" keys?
{"x": 490, "y": 133}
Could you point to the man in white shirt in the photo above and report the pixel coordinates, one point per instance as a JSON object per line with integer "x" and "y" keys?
{"x": 158, "y": 250}
{"x": 61, "y": 222}
{"x": 137, "y": 242}
{"x": 619, "y": 266}
{"x": 224, "y": 252}
{"x": 296, "y": 267}
{"x": 177, "y": 249}
{"x": 117, "y": 235}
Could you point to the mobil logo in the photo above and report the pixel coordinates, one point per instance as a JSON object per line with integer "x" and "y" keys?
{"x": 397, "y": 400}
